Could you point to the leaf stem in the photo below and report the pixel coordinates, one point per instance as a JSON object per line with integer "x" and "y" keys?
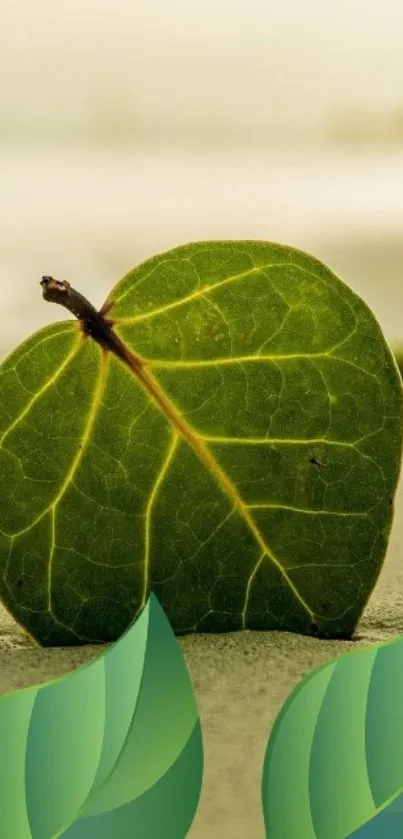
{"x": 93, "y": 323}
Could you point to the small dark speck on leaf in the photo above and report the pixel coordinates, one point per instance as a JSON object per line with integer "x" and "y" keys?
{"x": 19, "y": 582}
{"x": 390, "y": 502}
{"x": 314, "y": 629}
{"x": 325, "y": 606}
{"x": 314, "y": 461}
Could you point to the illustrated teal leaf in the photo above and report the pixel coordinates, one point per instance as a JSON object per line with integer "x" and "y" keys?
{"x": 113, "y": 749}
{"x": 236, "y": 451}
{"x": 334, "y": 762}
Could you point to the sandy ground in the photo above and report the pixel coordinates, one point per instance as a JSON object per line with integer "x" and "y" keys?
{"x": 241, "y": 681}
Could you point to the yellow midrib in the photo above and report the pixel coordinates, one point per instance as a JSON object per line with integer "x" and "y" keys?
{"x": 168, "y": 408}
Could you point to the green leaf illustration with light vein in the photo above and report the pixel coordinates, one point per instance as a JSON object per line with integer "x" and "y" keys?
{"x": 112, "y": 749}
{"x": 333, "y": 767}
{"x": 245, "y": 470}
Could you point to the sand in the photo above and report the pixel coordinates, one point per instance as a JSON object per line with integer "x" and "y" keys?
{"x": 241, "y": 681}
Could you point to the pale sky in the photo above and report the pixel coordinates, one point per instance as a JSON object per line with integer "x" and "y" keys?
{"x": 206, "y": 65}
{"x": 78, "y": 74}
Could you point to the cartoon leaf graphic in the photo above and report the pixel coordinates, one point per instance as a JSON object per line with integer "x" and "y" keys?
{"x": 232, "y": 442}
{"x": 112, "y": 749}
{"x": 334, "y": 763}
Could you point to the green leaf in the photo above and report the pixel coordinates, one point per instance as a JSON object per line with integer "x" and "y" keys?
{"x": 112, "y": 749}
{"x": 246, "y": 473}
{"x": 398, "y": 351}
{"x": 333, "y": 767}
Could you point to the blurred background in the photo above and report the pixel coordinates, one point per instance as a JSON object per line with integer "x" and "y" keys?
{"x": 129, "y": 127}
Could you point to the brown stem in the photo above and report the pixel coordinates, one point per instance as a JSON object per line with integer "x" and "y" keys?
{"x": 93, "y": 323}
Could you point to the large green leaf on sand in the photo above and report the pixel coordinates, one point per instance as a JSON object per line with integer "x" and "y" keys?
{"x": 398, "y": 352}
{"x": 247, "y": 476}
